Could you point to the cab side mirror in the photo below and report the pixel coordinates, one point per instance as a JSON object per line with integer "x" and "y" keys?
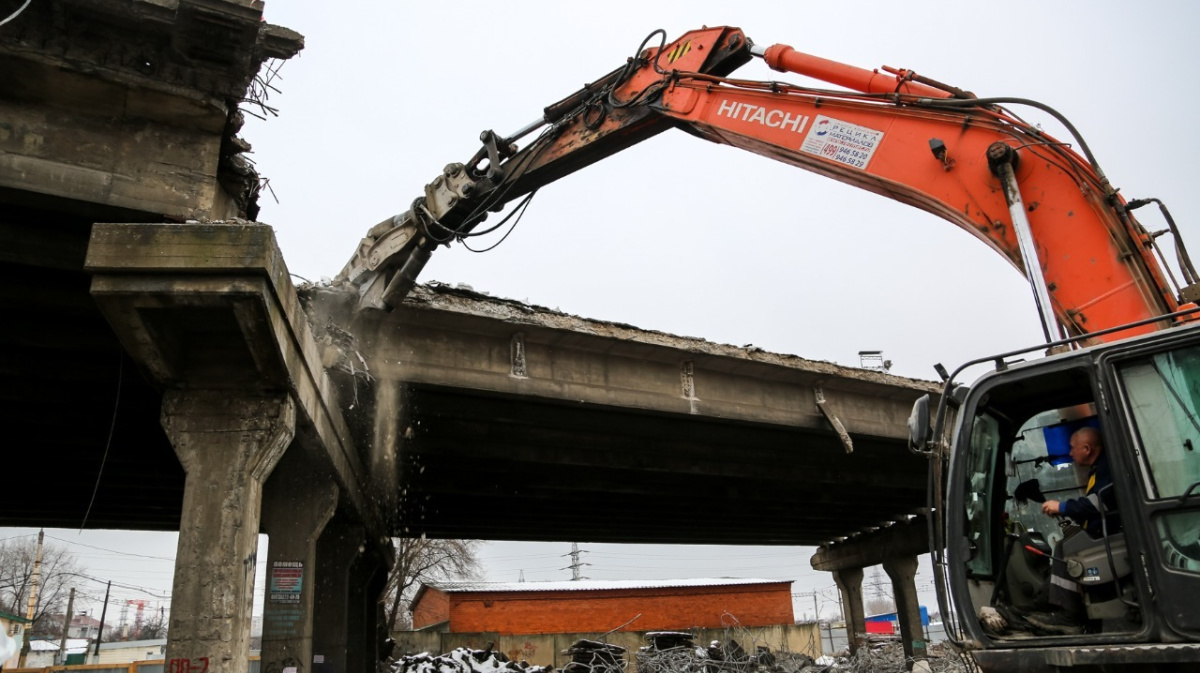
{"x": 919, "y": 433}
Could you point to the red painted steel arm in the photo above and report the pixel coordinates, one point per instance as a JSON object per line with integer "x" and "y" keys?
{"x": 898, "y": 135}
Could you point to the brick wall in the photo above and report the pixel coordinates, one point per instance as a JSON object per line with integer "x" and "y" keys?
{"x": 663, "y": 608}
{"x": 433, "y": 608}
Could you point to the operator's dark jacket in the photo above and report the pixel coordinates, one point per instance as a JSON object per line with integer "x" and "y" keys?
{"x": 1085, "y": 511}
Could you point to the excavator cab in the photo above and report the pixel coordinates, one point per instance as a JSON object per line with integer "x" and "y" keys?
{"x": 1138, "y": 580}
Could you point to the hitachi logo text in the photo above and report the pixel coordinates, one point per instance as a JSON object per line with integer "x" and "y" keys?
{"x": 777, "y": 119}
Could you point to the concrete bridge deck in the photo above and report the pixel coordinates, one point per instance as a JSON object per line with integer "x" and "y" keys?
{"x": 516, "y": 422}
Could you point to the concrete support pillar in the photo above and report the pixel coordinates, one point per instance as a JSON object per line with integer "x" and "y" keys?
{"x": 903, "y": 572}
{"x": 849, "y": 582}
{"x": 368, "y": 579}
{"x": 228, "y": 442}
{"x": 297, "y": 503}
{"x": 375, "y": 626}
{"x": 337, "y": 550}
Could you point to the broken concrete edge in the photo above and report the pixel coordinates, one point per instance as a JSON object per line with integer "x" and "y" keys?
{"x": 188, "y": 64}
{"x": 189, "y": 24}
{"x": 871, "y": 547}
{"x": 242, "y": 249}
{"x": 440, "y": 296}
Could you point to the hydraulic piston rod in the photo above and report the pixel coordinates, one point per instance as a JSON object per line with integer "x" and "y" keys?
{"x": 1001, "y": 158}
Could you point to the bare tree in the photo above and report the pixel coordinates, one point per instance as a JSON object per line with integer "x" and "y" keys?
{"x": 421, "y": 560}
{"x": 60, "y": 571}
{"x": 153, "y": 627}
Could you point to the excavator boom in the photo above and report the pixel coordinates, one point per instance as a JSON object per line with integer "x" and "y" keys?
{"x": 1050, "y": 211}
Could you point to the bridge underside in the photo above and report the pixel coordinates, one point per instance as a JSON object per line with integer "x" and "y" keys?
{"x": 496, "y": 467}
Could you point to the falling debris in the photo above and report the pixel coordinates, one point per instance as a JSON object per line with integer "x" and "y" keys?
{"x": 462, "y": 660}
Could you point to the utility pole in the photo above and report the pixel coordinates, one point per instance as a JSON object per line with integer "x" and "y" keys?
{"x": 103, "y": 613}
{"x": 816, "y": 610}
{"x": 575, "y": 564}
{"x": 122, "y": 625}
{"x": 61, "y": 657}
{"x": 33, "y": 592}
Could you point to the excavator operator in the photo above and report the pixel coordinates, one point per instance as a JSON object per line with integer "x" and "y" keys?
{"x": 1087, "y": 450}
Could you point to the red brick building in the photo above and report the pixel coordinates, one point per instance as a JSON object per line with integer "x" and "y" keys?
{"x": 597, "y": 606}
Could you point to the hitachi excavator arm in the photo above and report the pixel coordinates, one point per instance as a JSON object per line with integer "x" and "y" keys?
{"x": 1025, "y": 194}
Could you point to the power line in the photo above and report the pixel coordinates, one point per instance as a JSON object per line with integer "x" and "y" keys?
{"x": 150, "y": 592}
{"x": 111, "y": 551}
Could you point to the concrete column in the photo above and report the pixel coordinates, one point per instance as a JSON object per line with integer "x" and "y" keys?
{"x": 849, "y": 583}
{"x": 903, "y": 571}
{"x": 356, "y": 617}
{"x": 374, "y": 625}
{"x": 228, "y": 442}
{"x": 337, "y": 549}
{"x": 298, "y": 500}
{"x": 368, "y": 577}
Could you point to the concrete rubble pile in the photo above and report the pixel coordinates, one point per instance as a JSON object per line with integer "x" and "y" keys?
{"x": 462, "y": 660}
{"x": 889, "y": 658}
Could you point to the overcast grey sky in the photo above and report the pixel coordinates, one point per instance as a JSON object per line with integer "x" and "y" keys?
{"x": 691, "y": 238}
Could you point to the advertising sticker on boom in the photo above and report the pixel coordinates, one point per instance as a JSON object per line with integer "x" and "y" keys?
{"x": 841, "y": 141}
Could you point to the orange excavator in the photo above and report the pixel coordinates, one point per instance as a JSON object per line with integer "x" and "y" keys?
{"x": 1123, "y": 349}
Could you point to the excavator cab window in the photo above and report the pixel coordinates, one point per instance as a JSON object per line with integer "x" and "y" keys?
{"x": 980, "y": 500}
{"x": 1162, "y": 397}
{"x": 1009, "y": 422}
{"x": 1014, "y": 424}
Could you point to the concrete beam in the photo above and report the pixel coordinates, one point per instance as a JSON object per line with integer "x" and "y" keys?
{"x": 460, "y": 339}
{"x": 117, "y": 161}
{"x": 873, "y": 548}
{"x": 213, "y": 306}
{"x": 140, "y": 110}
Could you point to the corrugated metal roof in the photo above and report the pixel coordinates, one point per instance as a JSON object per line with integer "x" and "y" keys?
{"x": 51, "y": 645}
{"x": 592, "y": 585}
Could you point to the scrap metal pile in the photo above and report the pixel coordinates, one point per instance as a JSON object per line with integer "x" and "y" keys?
{"x": 675, "y": 652}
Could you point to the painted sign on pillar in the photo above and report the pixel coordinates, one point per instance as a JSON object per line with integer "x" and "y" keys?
{"x": 287, "y": 580}
{"x": 283, "y": 614}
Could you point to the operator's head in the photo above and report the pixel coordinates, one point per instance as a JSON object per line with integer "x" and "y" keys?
{"x": 1086, "y": 446}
